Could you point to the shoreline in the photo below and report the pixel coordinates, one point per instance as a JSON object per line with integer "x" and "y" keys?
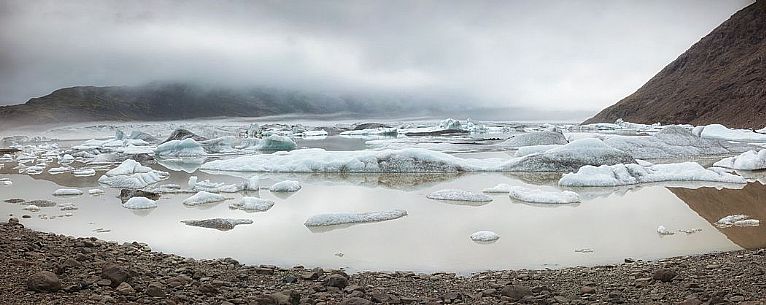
{"x": 93, "y": 271}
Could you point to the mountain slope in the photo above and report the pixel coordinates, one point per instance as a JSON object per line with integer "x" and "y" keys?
{"x": 720, "y": 79}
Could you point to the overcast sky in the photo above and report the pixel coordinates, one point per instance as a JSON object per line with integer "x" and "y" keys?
{"x": 563, "y": 55}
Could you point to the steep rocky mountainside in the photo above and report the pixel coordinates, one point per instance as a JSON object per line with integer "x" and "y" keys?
{"x": 720, "y": 79}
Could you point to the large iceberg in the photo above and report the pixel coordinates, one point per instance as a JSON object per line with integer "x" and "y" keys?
{"x": 539, "y": 196}
{"x": 350, "y": 218}
{"x": 536, "y": 138}
{"x": 628, "y": 174}
{"x": 187, "y": 148}
{"x": 749, "y": 160}
{"x": 276, "y": 143}
{"x": 672, "y": 142}
{"x": 131, "y": 174}
{"x": 718, "y": 131}
{"x": 570, "y": 157}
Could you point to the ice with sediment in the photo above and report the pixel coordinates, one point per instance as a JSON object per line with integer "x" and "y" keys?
{"x": 459, "y": 195}
{"x": 330, "y": 219}
{"x": 67, "y": 192}
{"x": 139, "y": 203}
{"x": 213, "y": 187}
{"x": 203, "y": 197}
{"x": 484, "y": 236}
{"x": 738, "y": 220}
{"x": 252, "y": 204}
{"x": 628, "y": 174}
{"x": 131, "y": 174}
{"x": 501, "y": 188}
{"x": 187, "y": 148}
{"x": 535, "y": 139}
{"x": 718, "y": 131}
{"x": 673, "y": 142}
{"x": 286, "y": 186}
{"x": 539, "y": 196}
{"x": 749, "y": 160}
{"x": 663, "y": 231}
{"x": 534, "y": 149}
{"x": 570, "y": 157}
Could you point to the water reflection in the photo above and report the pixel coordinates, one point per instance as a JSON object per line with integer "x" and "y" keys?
{"x": 713, "y": 204}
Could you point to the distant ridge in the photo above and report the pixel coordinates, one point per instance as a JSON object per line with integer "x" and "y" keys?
{"x": 720, "y": 79}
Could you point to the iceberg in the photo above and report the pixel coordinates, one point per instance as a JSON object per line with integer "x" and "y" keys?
{"x": 538, "y": 196}
{"x": 351, "y": 218}
{"x": 252, "y": 183}
{"x": 459, "y": 195}
{"x": 67, "y": 192}
{"x": 66, "y": 159}
{"x": 484, "y": 236}
{"x": 718, "y": 131}
{"x": 570, "y": 157}
{"x": 67, "y": 207}
{"x": 749, "y": 160}
{"x": 203, "y": 197}
{"x": 738, "y": 220}
{"x": 187, "y": 148}
{"x": 535, "y": 139}
{"x": 629, "y": 174}
{"x": 212, "y": 187}
{"x": 286, "y": 186}
{"x": 6, "y": 158}
{"x": 96, "y": 192}
{"x": 501, "y": 188}
{"x": 673, "y": 142}
{"x": 131, "y": 174}
{"x": 84, "y": 172}
{"x": 664, "y": 231}
{"x": 252, "y": 204}
{"x": 221, "y": 224}
{"x": 31, "y": 208}
{"x": 139, "y": 203}
{"x": 276, "y": 143}
{"x": 534, "y": 149}
{"x": 59, "y": 170}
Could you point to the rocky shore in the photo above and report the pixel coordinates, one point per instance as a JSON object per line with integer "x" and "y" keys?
{"x": 43, "y": 268}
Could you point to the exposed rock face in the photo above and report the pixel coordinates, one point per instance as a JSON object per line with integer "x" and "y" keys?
{"x": 720, "y": 79}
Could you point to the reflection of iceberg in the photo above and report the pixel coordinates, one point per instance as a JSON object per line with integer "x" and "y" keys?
{"x": 188, "y": 165}
{"x": 714, "y": 204}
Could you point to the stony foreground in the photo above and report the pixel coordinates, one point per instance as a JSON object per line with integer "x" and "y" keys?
{"x": 42, "y": 268}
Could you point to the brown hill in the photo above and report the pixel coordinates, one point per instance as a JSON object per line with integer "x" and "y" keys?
{"x": 720, "y": 79}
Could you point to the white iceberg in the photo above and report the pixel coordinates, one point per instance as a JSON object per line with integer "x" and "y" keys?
{"x": 663, "y": 231}
{"x": 738, "y": 220}
{"x": 459, "y": 195}
{"x": 535, "y": 139}
{"x": 139, "y": 203}
{"x": 718, "y": 131}
{"x": 252, "y": 204}
{"x": 213, "y": 187}
{"x": 96, "y": 192}
{"x": 59, "y": 170}
{"x": 84, "y": 172}
{"x": 539, "y": 196}
{"x": 187, "y": 148}
{"x": 252, "y": 183}
{"x": 628, "y": 174}
{"x": 501, "y": 188}
{"x": 66, "y": 159}
{"x": 528, "y": 150}
{"x": 131, "y": 174}
{"x": 570, "y": 157}
{"x": 31, "y": 208}
{"x": 286, "y": 186}
{"x": 6, "y": 158}
{"x": 749, "y": 160}
{"x": 673, "y": 142}
{"x": 67, "y": 207}
{"x": 484, "y": 236}
{"x": 351, "y": 218}
{"x": 67, "y": 192}
{"x": 203, "y": 197}
{"x": 276, "y": 143}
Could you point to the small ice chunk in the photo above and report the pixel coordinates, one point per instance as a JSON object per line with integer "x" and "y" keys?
{"x": 539, "y": 196}
{"x": 501, "y": 188}
{"x": 31, "y": 208}
{"x": 738, "y": 220}
{"x": 485, "y": 236}
{"x": 67, "y": 192}
{"x": 203, "y": 197}
{"x": 664, "y": 231}
{"x": 139, "y": 203}
{"x": 459, "y": 195}
{"x": 59, "y": 170}
{"x": 276, "y": 143}
{"x": 84, "y": 172}
{"x": 67, "y": 207}
{"x": 252, "y": 184}
{"x": 330, "y": 219}
{"x": 6, "y": 158}
{"x": 95, "y": 192}
{"x": 252, "y": 204}
{"x": 286, "y": 186}
{"x": 66, "y": 159}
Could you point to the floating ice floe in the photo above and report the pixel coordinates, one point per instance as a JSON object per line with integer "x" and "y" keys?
{"x": 252, "y": 183}
{"x": 673, "y": 142}
{"x": 536, "y": 139}
{"x": 718, "y": 131}
{"x": 749, "y": 160}
{"x": 539, "y": 196}
{"x": 139, "y": 203}
{"x": 738, "y": 220}
{"x": 628, "y": 174}
{"x": 252, "y": 204}
{"x": 663, "y": 231}
{"x": 484, "y": 236}
{"x": 6, "y": 158}
{"x": 222, "y": 224}
{"x": 203, "y": 197}
{"x": 95, "y": 192}
{"x": 528, "y": 150}
{"x": 330, "y": 219}
{"x": 570, "y": 157}
{"x": 5, "y": 181}
{"x": 276, "y": 143}
{"x": 66, "y": 159}
{"x": 67, "y": 207}
{"x": 213, "y": 187}
{"x": 84, "y": 172}
{"x": 501, "y": 188}
{"x": 31, "y": 208}
{"x": 459, "y": 195}
{"x": 286, "y": 186}
{"x": 67, "y": 192}
{"x": 131, "y": 174}
{"x": 187, "y": 148}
